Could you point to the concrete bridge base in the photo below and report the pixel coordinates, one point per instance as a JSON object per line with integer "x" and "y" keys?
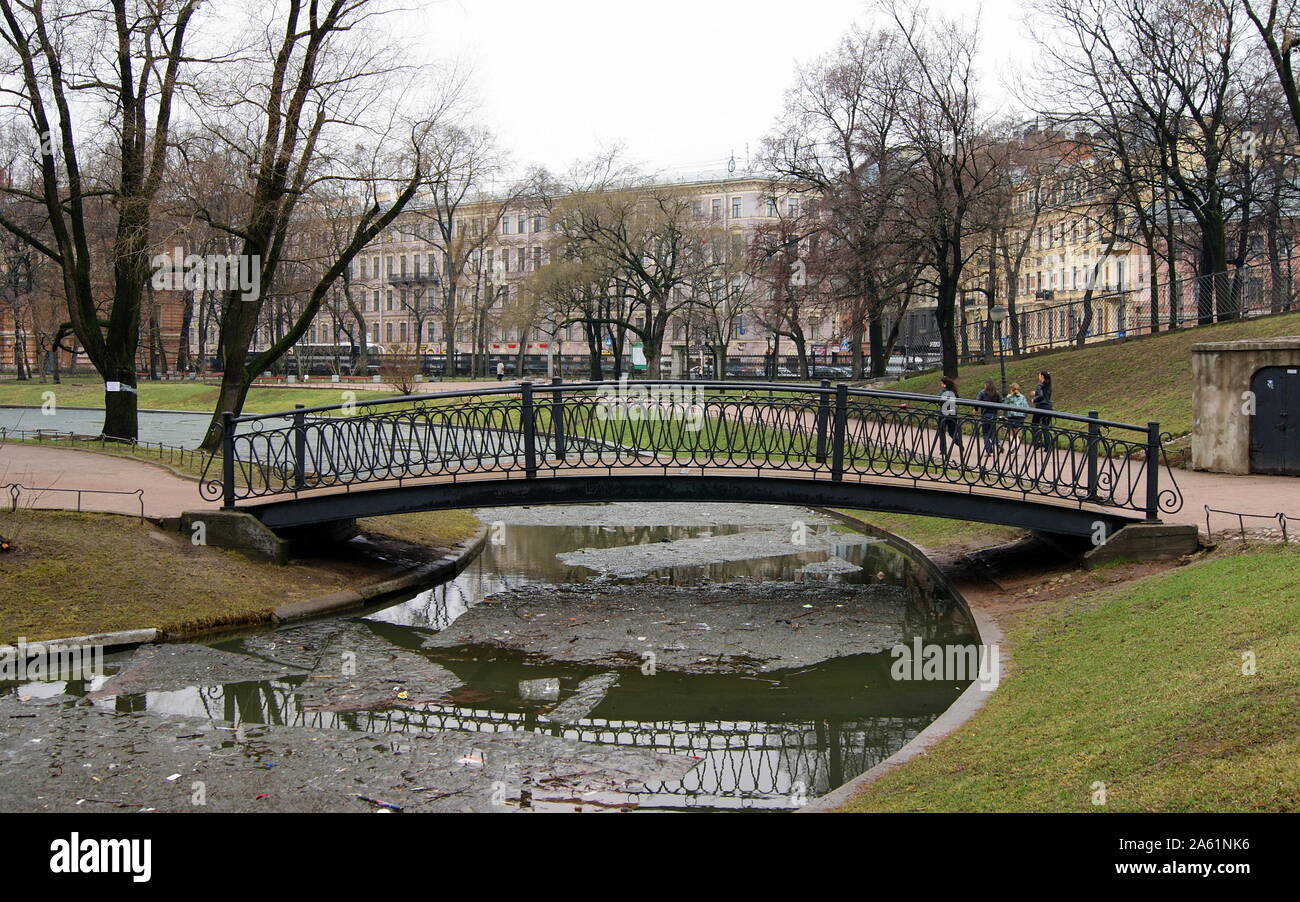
{"x": 1146, "y": 542}
{"x": 244, "y": 532}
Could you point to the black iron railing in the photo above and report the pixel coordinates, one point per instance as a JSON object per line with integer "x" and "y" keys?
{"x": 824, "y": 432}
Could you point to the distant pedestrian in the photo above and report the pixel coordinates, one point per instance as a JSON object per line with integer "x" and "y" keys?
{"x": 1043, "y": 401}
{"x": 949, "y": 427}
{"x": 1016, "y": 419}
{"x": 501, "y": 370}
{"x": 989, "y": 416}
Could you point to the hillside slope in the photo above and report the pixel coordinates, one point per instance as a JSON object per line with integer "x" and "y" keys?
{"x": 1135, "y": 381}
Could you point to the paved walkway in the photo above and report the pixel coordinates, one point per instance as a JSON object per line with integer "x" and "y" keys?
{"x": 46, "y": 468}
{"x": 167, "y": 495}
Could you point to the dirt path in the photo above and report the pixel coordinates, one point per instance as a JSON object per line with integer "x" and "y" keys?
{"x": 46, "y": 469}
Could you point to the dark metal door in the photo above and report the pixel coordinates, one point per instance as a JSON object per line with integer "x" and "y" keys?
{"x": 1275, "y": 428}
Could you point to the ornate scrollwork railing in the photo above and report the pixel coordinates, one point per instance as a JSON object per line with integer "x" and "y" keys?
{"x": 815, "y": 431}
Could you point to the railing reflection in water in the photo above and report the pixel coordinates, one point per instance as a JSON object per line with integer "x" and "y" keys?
{"x": 740, "y": 762}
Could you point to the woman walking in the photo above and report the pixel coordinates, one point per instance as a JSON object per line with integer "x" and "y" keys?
{"x": 1043, "y": 401}
{"x": 989, "y": 415}
{"x": 948, "y": 425}
{"x": 1015, "y": 418}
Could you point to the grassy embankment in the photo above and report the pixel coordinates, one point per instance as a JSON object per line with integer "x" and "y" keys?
{"x": 86, "y": 391}
{"x": 1139, "y": 687}
{"x": 1137, "y": 381}
{"x": 73, "y": 574}
{"x": 937, "y": 533}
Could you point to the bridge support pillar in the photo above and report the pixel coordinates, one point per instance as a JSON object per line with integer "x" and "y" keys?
{"x": 1146, "y": 542}
{"x": 238, "y": 530}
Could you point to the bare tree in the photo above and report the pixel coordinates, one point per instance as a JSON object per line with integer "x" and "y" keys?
{"x": 327, "y": 87}
{"x": 457, "y": 216}
{"x": 1170, "y": 76}
{"x": 944, "y": 126}
{"x": 72, "y": 69}
{"x": 645, "y": 236}
{"x": 842, "y": 133}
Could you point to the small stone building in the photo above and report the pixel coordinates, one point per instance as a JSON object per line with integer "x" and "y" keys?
{"x": 1246, "y": 406}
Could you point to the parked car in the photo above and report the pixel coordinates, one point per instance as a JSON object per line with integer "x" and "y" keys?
{"x": 823, "y": 371}
{"x": 899, "y": 364}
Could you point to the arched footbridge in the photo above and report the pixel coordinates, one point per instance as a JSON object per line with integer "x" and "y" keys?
{"x": 806, "y": 445}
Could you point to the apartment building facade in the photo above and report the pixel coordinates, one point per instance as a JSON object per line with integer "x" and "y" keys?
{"x": 396, "y": 281}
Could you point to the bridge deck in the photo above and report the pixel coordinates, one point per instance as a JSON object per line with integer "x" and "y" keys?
{"x": 583, "y": 484}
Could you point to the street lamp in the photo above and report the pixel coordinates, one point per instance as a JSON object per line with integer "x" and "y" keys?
{"x": 997, "y": 314}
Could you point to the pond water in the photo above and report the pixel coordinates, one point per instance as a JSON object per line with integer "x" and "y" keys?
{"x": 184, "y": 430}
{"x": 778, "y": 719}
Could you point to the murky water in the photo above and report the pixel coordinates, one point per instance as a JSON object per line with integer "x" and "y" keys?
{"x": 181, "y": 429}
{"x": 762, "y": 738}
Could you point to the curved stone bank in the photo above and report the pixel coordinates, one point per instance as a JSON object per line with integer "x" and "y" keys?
{"x": 960, "y": 711}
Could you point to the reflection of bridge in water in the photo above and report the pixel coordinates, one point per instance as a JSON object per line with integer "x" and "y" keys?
{"x": 740, "y": 762}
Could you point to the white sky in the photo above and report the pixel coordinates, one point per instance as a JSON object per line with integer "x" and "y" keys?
{"x": 681, "y": 84}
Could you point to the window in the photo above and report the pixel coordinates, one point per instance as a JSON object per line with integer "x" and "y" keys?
{"x": 433, "y": 331}
{"x": 523, "y": 224}
{"x": 389, "y": 306}
{"x": 363, "y": 267}
{"x": 771, "y": 206}
{"x": 388, "y": 263}
{"x": 388, "y": 331}
{"x": 505, "y": 225}
{"x": 792, "y": 207}
{"x": 736, "y": 207}
{"x": 537, "y": 224}
{"x": 374, "y": 332}
{"x": 402, "y": 330}
{"x": 537, "y": 258}
{"x": 523, "y": 258}
{"x": 716, "y": 209}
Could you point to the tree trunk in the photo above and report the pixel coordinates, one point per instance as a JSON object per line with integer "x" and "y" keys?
{"x": 879, "y": 355}
{"x": 944, "y": 309}
{"x": 120, "y": 407}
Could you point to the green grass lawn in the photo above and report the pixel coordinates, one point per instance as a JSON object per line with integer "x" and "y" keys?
{"x": 72, "y": 574}
{"x": 1133, "y": 382}
{"x": 938, "y": 533}
{"x": 84, "y": 391}
{"x": 1139, "y": 687}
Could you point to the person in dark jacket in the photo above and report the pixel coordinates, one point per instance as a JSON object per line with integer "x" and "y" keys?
{"x": 1041, "y": 421}
{"x": 989, "y": 417}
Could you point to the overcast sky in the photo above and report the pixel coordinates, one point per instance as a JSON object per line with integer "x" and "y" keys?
{"x": 681, "y": 84}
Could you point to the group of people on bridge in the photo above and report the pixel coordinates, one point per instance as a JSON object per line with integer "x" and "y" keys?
{"x": 1038, "y": 432}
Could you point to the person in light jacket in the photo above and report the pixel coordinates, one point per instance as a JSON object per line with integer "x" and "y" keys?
{"x": 1016, "y": 419}
{"x": 949, "y": 427}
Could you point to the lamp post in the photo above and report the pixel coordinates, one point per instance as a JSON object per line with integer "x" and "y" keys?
{"x": 997, "y": 314}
